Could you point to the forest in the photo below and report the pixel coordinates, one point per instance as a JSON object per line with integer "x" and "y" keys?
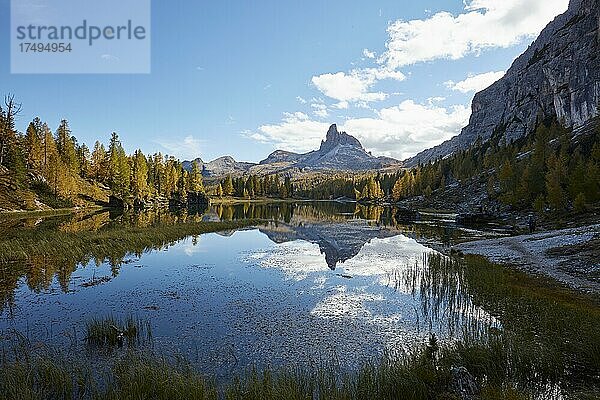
{"x": 549, "y": 170}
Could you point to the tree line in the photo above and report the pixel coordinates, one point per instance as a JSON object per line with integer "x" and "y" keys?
{"x": 550, "y": 169}
{"x": 252, "y": 186}
{"x": 58, "y": 163}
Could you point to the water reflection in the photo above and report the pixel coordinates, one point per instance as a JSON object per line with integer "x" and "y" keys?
{"x": 339, "y": 229}
{"x": 269, "y": 294}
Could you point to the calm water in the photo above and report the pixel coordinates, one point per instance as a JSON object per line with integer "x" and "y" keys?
{"x": 319, "y": 282}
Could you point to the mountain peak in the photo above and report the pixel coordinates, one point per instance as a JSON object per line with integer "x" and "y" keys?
{"x": 335, "y": 138}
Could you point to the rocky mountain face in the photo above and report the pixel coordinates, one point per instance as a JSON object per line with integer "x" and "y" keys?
{"x": 187, "y": 165}
{"x": 339, "y": 242}
{"x": 281, "y": 156}
{"x": 338, "y": 152}
{"x": 218, "y": 167}
{"x": 225, "y": 165}
{"x": 558, "y": 76}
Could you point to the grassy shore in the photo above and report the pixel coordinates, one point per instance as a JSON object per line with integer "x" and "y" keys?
{"x": 111, "y": 242}
{"x": 55, "y": 212}
{"x": 546, "y": 346}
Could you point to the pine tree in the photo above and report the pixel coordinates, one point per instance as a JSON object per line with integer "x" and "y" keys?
{"x": 220, "y": 191}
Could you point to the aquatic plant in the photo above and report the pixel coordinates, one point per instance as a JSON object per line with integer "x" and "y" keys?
{"x": 111, "y": 332}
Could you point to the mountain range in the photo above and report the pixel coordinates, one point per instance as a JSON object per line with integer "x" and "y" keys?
{"x": 338, "y": 152}
{"x": 557, "y": 77}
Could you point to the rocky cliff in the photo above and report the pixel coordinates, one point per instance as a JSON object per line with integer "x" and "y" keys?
{"x": 338, "y": 152}
{"x": 558, "y": 76}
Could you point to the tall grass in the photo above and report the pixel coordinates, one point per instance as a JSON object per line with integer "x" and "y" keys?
{"x": 547, "y": 345}
{"x": 111, "y": 332}
{"x": 106, "y": 243}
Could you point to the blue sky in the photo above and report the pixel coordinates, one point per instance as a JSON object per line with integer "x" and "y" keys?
{"x": 244, "y": 78}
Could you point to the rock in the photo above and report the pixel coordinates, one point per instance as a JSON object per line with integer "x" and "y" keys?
{"x": 341, "y": 151}
{"x": 281, "y": 156}
{"x": 463, "y": 384}
{"x": 557, "y": 77}
{"x": 225, "y": 165}
{"x": 338, "y": 152}
{"x": 187, "y": 165}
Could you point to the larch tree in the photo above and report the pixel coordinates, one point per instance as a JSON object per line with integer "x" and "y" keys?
{"x": 228, "y": 186}
{"x": 118, "y": 167}
{"x": 98, "y": 162}
{"x": 34, "y": 145}
{"x": 66, "y": 147}
{"x": 139, "y": 179}
{"x": 195, "y": 179}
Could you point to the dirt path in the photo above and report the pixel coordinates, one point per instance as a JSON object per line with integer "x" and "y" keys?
{"x": 571, "y": 256}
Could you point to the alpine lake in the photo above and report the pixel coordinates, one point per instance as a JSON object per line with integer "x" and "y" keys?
{"x": 273, "y": 285}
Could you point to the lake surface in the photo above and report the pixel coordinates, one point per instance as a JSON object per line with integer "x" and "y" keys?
{"x": 314, "y": 283}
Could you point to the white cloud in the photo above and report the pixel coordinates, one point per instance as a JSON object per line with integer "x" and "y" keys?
{"x": 404, "y": 130}
{"x": 342, "y": 105}
{"x": 368, "y": 53}
{"x": 320, "y": 110}
{"x": 484, "y": 24}
{"x": 296, "y": 132}
{"x": 400, "y": 131}
{"x": 475, "y": 83}
{"x": 187, "y": 148}
{"x": 354, "y": 86}
{"x": 301, "y": 100}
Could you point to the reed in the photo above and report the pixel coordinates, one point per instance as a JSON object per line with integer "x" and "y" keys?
{"x": 110, "y": 332}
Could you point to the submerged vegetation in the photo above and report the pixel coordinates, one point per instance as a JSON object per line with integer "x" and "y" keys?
{"x": 42, "y": 249}
{"x": 544, "y": 343}
{"x": 111, "y": 332}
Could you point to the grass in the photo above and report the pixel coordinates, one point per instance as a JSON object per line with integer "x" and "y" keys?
{"x": 105, "y": 243}
{"x": 548, "y": 345}
{"x": 424, "y": 374}
{"x": 111, "y": 332}
{"x": 548, "y": 338}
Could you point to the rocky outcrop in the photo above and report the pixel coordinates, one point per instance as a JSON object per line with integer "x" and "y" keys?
{"x": 341, "y": 151}
{"x": 187, "y": 165}
{"x": 558, "y": 76}
{"x": 225, "y": 165}
{"x": 338, "y": 152}
{"x": 281, "y": 156}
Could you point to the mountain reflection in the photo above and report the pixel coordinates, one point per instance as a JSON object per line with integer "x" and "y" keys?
{"x": 338, "y": 241}
{"x": 340, "y": 230}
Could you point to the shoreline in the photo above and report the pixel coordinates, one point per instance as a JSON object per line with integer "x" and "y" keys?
{"x": 570, "y": 255}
